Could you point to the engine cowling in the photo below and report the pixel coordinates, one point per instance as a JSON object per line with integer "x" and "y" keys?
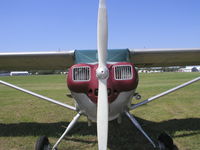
{"x": 122, "y": 77}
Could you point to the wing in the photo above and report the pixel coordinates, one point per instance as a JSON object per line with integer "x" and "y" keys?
{"x": 165, "y": 57}
{"x": 36, "y": 60}
{"x": 64, "y": 59}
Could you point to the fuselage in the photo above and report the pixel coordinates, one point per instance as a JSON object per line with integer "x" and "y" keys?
{"x": 121, "y": 85}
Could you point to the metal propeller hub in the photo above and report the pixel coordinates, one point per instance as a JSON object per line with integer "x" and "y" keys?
{"x": 102, "y": 73}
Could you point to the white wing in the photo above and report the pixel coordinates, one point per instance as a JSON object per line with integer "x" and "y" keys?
{"x": 165, "y": 57}
{"x": 36, "y": 60}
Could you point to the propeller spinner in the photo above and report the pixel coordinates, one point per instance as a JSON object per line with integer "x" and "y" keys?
{"x": 102, "y": 75}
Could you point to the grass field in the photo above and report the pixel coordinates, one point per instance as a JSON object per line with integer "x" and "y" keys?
{"x": 24, "y": 118}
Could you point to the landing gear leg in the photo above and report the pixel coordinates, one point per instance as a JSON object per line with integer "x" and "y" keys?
{"x": 137, "y": 125}
{"x": 43, "y": 142}
{"x": 70, "y": 126}
{"x": 165, "y": 142}
{"x": 119, "y": 119}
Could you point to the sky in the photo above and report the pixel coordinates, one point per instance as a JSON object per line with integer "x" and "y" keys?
{"x": 53, "y": 25}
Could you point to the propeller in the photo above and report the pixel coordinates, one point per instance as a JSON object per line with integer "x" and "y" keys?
{"x": 102, "y": 75}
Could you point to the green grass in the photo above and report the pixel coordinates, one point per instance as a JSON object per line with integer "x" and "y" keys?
{"x": 24, "y": 118}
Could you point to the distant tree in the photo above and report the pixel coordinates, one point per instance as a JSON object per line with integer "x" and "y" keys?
{"x": 170, "y": 69}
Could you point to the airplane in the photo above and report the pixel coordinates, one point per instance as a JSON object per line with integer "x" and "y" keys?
{"x": 102, "y": 82}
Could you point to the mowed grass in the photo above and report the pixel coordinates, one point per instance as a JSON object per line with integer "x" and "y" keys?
{"x": 23, "y": 118}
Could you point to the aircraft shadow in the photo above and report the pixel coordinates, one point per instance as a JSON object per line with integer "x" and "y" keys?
{"x": 124, "y": 136}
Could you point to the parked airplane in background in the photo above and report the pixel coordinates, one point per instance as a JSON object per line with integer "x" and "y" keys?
{"x": 102, "y": 82}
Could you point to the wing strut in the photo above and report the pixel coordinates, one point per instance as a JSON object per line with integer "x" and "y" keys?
{"x": 164, "y": 93}
{"x": 38, "y": 95}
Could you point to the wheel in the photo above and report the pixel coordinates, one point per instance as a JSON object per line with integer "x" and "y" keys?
{"x": 42, "y": 143}
{"x": 138, "y": 97}
{"x": 166, "y": 140}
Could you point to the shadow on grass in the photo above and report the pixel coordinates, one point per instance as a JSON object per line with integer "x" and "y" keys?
{"x": 124, "y": 136}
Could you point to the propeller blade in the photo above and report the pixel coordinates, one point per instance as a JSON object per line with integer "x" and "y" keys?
{"x": 102, "y": 75}
{"x": 102, "y": 33}
{"x": 102, "y": 115}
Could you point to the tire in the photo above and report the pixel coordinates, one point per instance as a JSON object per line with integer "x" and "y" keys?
{"x": 166, "y": 140}
{"x": 42, "y": 143}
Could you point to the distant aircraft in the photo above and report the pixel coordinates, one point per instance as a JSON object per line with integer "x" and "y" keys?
{"x": 102, "y": 82}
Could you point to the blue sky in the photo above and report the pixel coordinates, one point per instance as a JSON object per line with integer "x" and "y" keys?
{"x": 50, "y": 25}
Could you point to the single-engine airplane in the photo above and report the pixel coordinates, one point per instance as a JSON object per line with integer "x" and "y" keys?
{"x": 102, "y": 82}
